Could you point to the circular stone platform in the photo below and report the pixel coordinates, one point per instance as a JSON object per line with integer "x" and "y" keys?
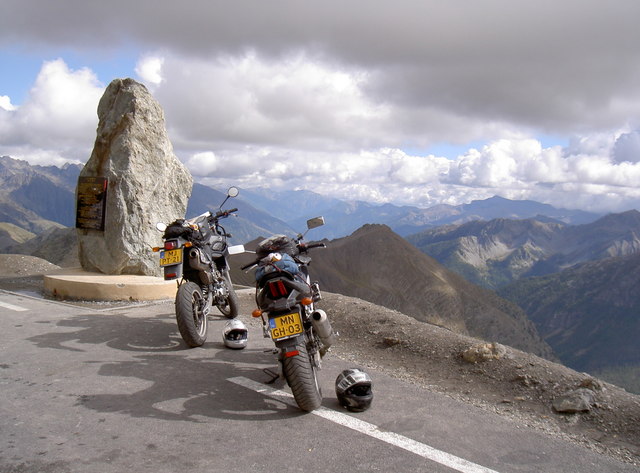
{"x": 78, "y": 284}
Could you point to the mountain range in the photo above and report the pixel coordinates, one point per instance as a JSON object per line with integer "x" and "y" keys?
{"x": 37, "y": 198}
{"x": 294, "y": 207}
{"x": 496, "y": 252}
{"x": 577, "y": 283}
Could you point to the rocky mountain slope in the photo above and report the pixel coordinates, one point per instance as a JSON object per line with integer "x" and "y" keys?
{"x": 589, "y": 315}
{"x": 11, "y": 234}
{"x": 500, "y": 251}
{"x": 59, "y": 246}
{"x": 377, "y": 265}
{"x": 37, "y": 198}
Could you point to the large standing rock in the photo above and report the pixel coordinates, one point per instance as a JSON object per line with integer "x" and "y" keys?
{"x": 146, "y": 182}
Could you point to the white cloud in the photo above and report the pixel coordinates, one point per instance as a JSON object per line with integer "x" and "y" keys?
{"x": 514, "y": 168}
{"x": 294, "y": 101}
{"x": 149, "y": 69}
{"x": 58, "y": 120}
{"x": 5, "y": 103}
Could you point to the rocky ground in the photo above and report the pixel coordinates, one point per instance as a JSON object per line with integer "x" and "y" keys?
{"x": 511, "y": 383}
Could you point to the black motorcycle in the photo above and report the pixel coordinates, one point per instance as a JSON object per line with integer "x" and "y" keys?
{"x": 195, "y": 254}
{"x": 286, "y": 300}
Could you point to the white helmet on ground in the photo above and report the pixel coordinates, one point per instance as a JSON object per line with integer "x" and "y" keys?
{"x": 235, "y": 334}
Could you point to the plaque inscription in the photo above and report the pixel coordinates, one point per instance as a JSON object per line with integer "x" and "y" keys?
{"x": 92, "y": 201}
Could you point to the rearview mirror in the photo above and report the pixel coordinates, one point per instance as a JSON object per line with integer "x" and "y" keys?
{"x": 315, "y": 222}
{"x": 161, "y": 226}
{"x": 233, "y": 192}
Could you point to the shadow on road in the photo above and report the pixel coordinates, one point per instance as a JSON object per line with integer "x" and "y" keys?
{"x": 158, "y": 375}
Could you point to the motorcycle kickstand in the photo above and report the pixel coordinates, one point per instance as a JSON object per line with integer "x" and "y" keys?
{"x": 274, "y": 375}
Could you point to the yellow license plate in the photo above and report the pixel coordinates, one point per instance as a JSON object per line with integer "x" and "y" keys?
{"x": 168, "y": 257}
{"x": 285, "y": 326}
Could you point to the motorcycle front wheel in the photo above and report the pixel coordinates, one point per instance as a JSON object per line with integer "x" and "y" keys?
{"x": 229, "y": 308}
{"x": 192, "y": 321}
{"x": 301, "y": 377}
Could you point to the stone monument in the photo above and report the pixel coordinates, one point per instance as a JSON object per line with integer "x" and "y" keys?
{"x": 131, "y": 182}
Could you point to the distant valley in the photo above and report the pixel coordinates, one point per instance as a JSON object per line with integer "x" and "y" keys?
{"x": 590, "y": 315}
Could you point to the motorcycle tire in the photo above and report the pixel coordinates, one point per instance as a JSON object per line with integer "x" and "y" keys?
{"x": 230, "y": 307}
{"x": 192, "y": 322}
{"x": 302, "y": 378}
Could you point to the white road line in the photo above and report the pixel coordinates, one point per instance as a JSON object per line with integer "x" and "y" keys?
{"x": 425, "y": 451}
{"x": 6, "y": 305}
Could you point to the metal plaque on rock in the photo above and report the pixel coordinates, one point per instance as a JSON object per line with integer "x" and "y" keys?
{"x": 91, "y": 203}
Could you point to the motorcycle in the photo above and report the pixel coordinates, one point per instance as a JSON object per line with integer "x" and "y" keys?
{"x": 195, "y": 254}
{"x": 286, "y": 299}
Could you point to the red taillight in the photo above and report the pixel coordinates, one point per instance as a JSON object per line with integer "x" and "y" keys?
{"x": 171, "y": 244}
{"x": 278, "y": 289}
{"x": 291, "y": 353}
{"x": 171, "y": 275}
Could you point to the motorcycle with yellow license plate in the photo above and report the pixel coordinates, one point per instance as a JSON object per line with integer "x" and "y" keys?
{"x": 286, "y": 300}
{"x": 195, "y": 254}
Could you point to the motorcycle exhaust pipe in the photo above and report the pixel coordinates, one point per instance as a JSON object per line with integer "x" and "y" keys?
{"x": 197, "y": 260}
{"x": 323, "y": 328}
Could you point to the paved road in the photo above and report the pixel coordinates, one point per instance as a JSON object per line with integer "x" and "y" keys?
{"x": 103, "y": 389}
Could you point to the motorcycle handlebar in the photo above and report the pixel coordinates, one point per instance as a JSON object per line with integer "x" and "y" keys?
{"x": 314, "y": 244}
{"x": 223, "y": 213}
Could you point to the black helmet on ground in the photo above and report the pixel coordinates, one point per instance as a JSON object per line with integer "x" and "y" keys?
{"x": 353, "y": 389}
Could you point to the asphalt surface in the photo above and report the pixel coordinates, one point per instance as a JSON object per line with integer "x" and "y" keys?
{"x": 112, "y": 388}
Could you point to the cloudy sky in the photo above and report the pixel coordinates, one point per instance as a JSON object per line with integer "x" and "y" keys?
{"x": 408, "y": 101}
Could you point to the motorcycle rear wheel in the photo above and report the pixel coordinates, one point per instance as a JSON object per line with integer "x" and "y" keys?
{"x": 192, "y": 322}
{"x": 302, "y": 378}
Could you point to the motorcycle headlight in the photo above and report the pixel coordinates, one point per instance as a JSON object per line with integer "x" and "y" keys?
{"x": 218, "y": 246}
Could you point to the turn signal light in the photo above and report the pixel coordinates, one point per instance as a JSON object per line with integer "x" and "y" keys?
{"x": 256, "y": 313}
{"x": 155, "y": 249}
{"x": 306, "y": 301}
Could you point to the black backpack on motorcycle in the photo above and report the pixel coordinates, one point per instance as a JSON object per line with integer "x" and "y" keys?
{"x": 277, "y": 244}
{"x": 179, "y": 229}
